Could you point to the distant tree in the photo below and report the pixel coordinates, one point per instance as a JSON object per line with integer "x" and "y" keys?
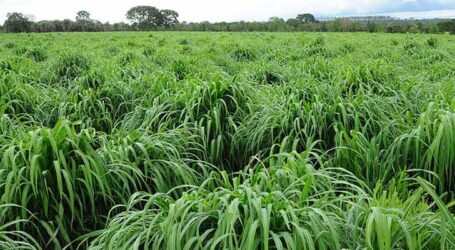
{"x": 276, "y": 24}
{"x": 67, "y": 23}
{"x": 347, "y": 25}
{"x": 82, "y": 15}
{"x": 294, "y": 23}
{"x": 83, "y": 22}
{"x": 433, "y": 28}
{"x": 447, "y": 26}
{"x": 371, "y": 27}
{"x": 396, "y": 28}
{"x": 170, "y": 17}
{"x": 18, "y": 22}
{"x": 412, "y": 28}
{"x": 306, "y": 18}
{"x": 334, "y": 25}
{"x": 121, "y": 26}
{"x": 145, "y": 17}
{"x": 420, "y": 27}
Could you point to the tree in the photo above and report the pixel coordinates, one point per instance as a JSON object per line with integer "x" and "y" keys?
{"x": 346, "y": 25}
{"x": 335, "y": 25}
{"x": 294, "y": 23}
{"x": 447, "y": 26}
{"x": 82, "y": 15}
{"x": 83, "y": 21}
{"x": 276, "y": 24}
{"x": 145, "y": 17}
{"x": 306, "y": 18}
{"x": 371, "y": 27}
{"x": 149, "y": 17}
{"x": 67, "y": 25}
{"x": 18, "y": 22}
{"x": 395, "y": 28}
{"x": 170, "y": 17}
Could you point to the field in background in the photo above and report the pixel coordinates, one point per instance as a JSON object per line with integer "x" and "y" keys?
{"x": 227, "y": 141}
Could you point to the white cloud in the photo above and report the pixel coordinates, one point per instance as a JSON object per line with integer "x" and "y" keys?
{"x": 425, "y": 14}
{"x": 211, "y": 10}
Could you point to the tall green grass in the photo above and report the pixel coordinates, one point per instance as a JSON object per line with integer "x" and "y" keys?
{"x": 282, "y": 203}
{"x": 227, "y": 141}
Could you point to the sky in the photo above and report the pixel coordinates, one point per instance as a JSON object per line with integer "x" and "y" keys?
{"x": 229, "y": 10}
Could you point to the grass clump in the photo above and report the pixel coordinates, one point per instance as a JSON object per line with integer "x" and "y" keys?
{"x": 184, "y": 42}
{"x": 127, "y": 57}
{"x": 5, "y": 66}
{"x": 244, "y": 54}
{"x": 432, "y": 42}
{"x": 285, "y": 205}
{"x": 71, "y": 65}
{"x": 269, "y": 75}
{"x": 181, "y": 69}
{"x": 10, "y": 45}
{"x": 150, "y": 51}
{"x": 37, "y": 54}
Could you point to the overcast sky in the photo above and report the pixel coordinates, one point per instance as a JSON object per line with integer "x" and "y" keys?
{"x": 229, "y": 10}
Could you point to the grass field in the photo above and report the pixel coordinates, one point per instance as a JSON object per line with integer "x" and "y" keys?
{"x": 227, "y": 141}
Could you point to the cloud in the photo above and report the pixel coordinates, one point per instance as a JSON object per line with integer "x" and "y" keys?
{"x": 424, "y": 14}
{"x": 220, "y": 10}
{"x": 420, "y": 5}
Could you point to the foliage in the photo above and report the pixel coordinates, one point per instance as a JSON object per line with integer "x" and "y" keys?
{"x": 82, "y": 15}
{"x": 18, "y": 22}
{"x": 447, "y": 26}
{"x": 151, "y": 18}
{"x": 306, "y": 18}
{"x": 148, "y": 17}
{"x": 288, "y": 205}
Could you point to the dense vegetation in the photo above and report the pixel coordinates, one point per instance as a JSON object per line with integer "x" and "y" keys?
{"x": 148, "y": 18}
{"x": 227, "y": 141}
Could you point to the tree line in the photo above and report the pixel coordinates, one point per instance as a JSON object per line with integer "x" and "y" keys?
{"x": 147, "y": 18}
